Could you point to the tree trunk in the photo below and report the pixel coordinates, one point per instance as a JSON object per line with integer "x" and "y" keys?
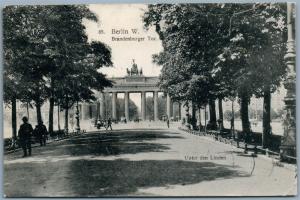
{"x": 266, "y": 118}
{"x": 38, "y": 113}
{"x": 51, "y": 106}
{"x": 200, "y": 125}
{"x": 220, "y": 114}
{"x": 245, "y": 116}
{"x": 58, "y": 117}
{"x": 232, "y": 120}
{"x": 193, "y": 120}
{"x": 205, "y": 118}
{"x": 51, "y": 110}
{"x": 27, "y": 109}
{"x": 66, "y": 120}
{"x": 212, "y": 113}
{"x": 14, "y": 118}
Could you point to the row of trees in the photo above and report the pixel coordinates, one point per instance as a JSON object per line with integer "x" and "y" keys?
{"x": 47, "y": 56}
{"x": 220, "y": 52}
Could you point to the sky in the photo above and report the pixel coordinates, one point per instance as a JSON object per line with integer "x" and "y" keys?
{"x": 125, "y": 20}
{"x": 124, "y": 17}
{"x": 128, "y": 17}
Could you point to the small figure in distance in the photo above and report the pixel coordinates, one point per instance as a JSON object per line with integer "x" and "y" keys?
{"x": 41, "y": 133}
{"x": 168, "y": 122}
{"x": 25, "y": 133}
{"x": 109, "y": 122}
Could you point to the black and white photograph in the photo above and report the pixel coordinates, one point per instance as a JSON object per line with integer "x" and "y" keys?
{"x": 149, "y": 100}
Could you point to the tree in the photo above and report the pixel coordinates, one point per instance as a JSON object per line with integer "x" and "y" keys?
{"x": 254, "y": 59}
{"x": 269, "y": 63}
{"x": 215, "y": 41}
{"x": 10, "y": 97}
{"x": 20, "y": 55}
{"x": 73, "y": 57}
{"x": 48, "y": 47}
{"x": 11, "y": 81}
{"x": 82, "y": 77}
{"x": 191, "y": 35}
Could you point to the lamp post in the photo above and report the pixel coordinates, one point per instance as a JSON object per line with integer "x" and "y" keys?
{"x": 288, "y": 143}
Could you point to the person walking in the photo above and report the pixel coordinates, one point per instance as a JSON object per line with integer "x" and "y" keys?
{"x": 168, "y": 123}
{"x": 24, "y": 134}
{"x": 109, "y": 122}
{"x": 41, "y": 133}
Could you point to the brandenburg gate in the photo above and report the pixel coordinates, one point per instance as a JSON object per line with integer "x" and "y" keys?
{"x": 133, "y": 82}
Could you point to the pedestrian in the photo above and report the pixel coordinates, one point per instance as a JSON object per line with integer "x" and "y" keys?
{"x": 109, "y": 122}
{"x": 41, "y": 133}
{"x": 168, "y": 123}
{"x": 24, "y": 134}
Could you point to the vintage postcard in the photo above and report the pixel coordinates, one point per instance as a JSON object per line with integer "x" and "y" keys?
{"x": 149, "y": 100}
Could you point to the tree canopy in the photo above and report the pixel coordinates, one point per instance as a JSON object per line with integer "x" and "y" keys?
{"x": 219, "y": 50}
{"x": 47, "y": 56}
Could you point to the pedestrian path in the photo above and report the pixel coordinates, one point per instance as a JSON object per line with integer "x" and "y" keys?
{"x": 141, "y": 161}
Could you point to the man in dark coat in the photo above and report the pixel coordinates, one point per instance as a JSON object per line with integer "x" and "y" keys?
{"x": 41, "y": 133}
{"x": 24, "y": 134}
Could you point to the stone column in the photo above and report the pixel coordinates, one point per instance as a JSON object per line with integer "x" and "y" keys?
{"x": 169, "y": 106}
{"x": 126, "y": 100}
{"x": 173, "y": 108}
{"x": 102, "y": 106}
{"x": 143, "y": 101}
{"x": 155, "y": 99}
{"x": 114, "y": 105}
{"x": 85, "y": 111}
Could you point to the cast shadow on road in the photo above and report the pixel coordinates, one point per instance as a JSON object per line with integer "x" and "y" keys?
{"x": 116, "y": 143}
{"x": 95, "y": 178}
{"x": 123, "y": 177}
{"x": 119, "y": 177}
{"x": 110, "y": 143}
